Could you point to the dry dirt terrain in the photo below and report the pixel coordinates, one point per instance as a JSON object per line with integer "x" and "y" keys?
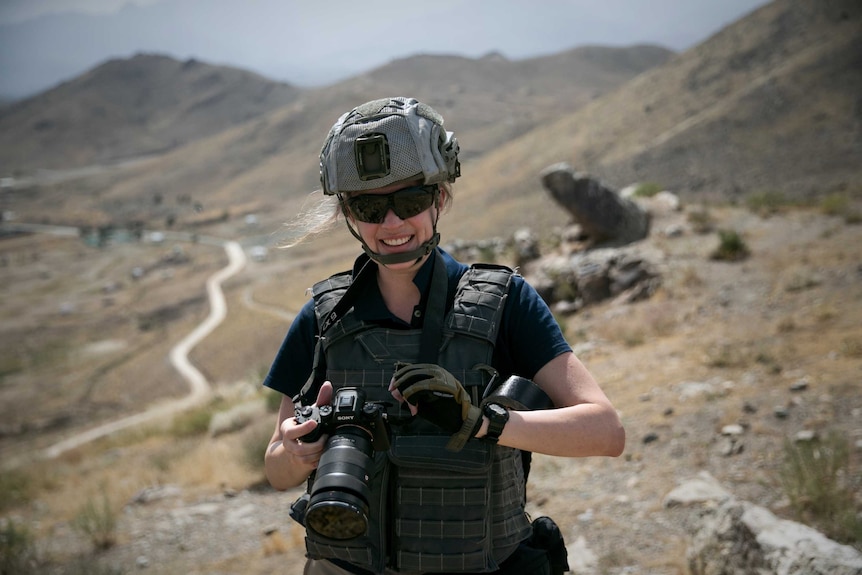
{"x": 772, "y": 343}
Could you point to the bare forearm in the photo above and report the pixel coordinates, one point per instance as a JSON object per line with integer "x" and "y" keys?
{"x": 577, "y": 431}
{"x": 281, "y": 472}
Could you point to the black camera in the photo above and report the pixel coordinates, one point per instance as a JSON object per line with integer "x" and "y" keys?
{"x": 338, "y": 504}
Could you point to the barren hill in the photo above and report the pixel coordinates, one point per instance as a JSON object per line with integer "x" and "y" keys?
{"x": 493, "y": 100}
{"x": 273, "y": 157}
{"x": 125, "y": 108}
{"x": 769, "y": 104}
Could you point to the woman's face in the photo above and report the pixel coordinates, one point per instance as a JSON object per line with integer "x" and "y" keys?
{"x": 396, "y": 235}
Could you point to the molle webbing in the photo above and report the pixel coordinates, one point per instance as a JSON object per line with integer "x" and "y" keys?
{"x": 450, "y": 512}
{"x": 474, "y": 321}
{"x": 451, "y": 521}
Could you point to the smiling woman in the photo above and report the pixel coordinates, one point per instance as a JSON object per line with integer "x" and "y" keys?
{"x": 413, "y": 363}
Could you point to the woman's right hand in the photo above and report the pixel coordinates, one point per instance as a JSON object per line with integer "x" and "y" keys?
{"x": 289, "y": 460}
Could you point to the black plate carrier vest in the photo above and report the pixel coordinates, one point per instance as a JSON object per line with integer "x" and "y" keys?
{"x": 432, "y": 510}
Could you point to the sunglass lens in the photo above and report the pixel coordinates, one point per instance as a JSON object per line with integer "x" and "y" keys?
{"x": 368, "y": 208}
{"x": 411, "y": 202}
{"x": 406, "y": 203}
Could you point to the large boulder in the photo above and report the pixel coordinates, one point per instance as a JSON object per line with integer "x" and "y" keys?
{"x": 734, "y": 537}
{"x": 570, "y": 282}
{"x": 605, "y": 216}
{"x": 740, "y": 538}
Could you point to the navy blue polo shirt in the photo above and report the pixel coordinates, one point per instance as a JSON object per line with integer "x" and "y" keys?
{"x": 529, "y": 336}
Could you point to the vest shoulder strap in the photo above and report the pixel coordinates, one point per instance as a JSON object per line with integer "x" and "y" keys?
{"x": 480, "y": 300}
{"x": 477, "y": 309}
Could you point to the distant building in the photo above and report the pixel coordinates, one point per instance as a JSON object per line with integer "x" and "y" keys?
{"x": 258, "y": 253}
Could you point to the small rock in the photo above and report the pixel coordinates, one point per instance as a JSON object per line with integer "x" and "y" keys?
{"x": 674, "y": 231}
{"x": 805, "y": 436}
{"x": 581, "y": 557}
{"x": 800, "y": 385}
{"x": 730, "y": 446}
{"x": 156, "y": 493}
{"x": 702, "y": 489}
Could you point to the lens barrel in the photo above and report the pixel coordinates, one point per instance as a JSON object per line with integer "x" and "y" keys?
{"x": 338, "y": 508}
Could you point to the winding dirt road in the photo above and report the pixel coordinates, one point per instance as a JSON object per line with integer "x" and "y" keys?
{"x": 200, "y": 389}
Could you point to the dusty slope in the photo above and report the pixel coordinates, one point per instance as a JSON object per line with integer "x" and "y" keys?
{"x": 767, "y": 105}
{"x": 720, "y": 343}
{"x": 227, "y": 141}
{"x": 127, "y": 108}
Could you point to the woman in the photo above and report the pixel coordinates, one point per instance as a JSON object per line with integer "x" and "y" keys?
{"x": 429, "y": 340}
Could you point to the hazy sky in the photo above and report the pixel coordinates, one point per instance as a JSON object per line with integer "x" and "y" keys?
{"x": 308, "y": 42}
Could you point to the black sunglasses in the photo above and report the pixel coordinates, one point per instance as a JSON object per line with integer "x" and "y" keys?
{"x": 406, "y": 203}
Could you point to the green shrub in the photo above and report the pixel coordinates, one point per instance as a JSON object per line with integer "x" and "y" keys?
{"x": 731, "y": 247}
{"x": 17, "y": 552}
{"x": 193, "y": 422}
{"x": 701, "y": 221}
{"x": 98, "y": 521}
{"x": 834, "y": 204}
{"x": 16, "y": 488}
{"x": 647, "y": 190}
{"x": 816, "y": 477}
{"x": 766, "y": 203}
{"x": 839, "y": 205}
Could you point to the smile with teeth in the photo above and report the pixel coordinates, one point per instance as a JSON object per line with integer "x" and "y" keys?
{"x": 395, "y": 242}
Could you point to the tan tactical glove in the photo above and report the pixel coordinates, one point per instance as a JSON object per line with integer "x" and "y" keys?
{"x": 440, "y": 399}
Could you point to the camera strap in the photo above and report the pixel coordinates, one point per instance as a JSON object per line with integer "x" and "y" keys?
{"x": 435, "y": 311}
{"x": 308, "y": 394}
{"x": 363, "y": 277}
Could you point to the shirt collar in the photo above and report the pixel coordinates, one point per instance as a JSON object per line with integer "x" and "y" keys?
{"x": 370, "y": 306}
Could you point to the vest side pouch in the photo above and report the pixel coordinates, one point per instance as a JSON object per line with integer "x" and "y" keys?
{"x": 368, "y": 551}
{"x": 442, "y": 506}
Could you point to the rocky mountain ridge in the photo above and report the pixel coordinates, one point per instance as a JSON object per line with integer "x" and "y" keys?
{"x": 715, "y": 372}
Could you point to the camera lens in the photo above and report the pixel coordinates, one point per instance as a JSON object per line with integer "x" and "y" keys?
{"x": 338, "y": 508}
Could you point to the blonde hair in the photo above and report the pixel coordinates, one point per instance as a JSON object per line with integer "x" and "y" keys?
{"x": 318, "y": 214}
